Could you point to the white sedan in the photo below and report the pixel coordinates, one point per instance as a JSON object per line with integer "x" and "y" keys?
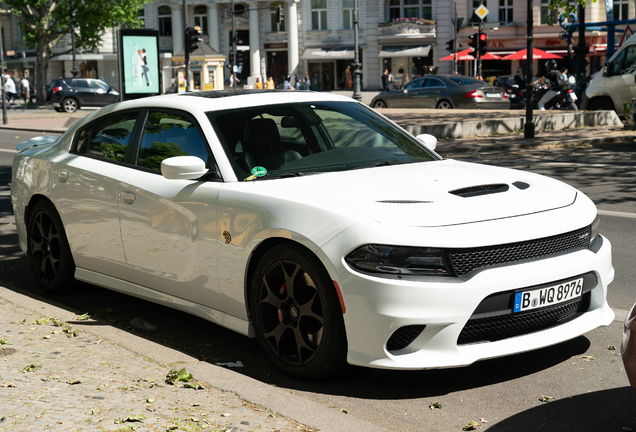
{"x": 316, "y": 225}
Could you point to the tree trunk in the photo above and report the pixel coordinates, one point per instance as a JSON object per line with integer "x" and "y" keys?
{"x": 41, "y": 66}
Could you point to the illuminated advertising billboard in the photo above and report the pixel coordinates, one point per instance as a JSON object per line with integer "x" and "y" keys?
{"x": 139, "y": 63}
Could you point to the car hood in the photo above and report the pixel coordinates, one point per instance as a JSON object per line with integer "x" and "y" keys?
{"x": 427, "y": 194}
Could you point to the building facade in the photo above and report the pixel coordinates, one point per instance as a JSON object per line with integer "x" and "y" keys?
{"x": 407, "y": 37}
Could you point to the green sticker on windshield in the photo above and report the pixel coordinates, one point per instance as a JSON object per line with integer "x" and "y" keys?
{"x": 259, "y": 171}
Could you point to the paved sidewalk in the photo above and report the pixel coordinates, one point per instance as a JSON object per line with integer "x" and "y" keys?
{"x": 106, "y": 379}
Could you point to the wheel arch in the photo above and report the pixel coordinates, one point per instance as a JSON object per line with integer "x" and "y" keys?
{"x": 604, "y": 98}
{"x": 264, "y": 247}
{"x": 444, "y": 99}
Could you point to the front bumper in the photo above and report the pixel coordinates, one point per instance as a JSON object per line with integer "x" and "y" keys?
{"x": 437, "y": 310}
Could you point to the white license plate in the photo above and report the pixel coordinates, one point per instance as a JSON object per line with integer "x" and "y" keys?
{"x": 549, "y": 296}
{"x": 493, "y": 95}
{"x": 573, "y": 96}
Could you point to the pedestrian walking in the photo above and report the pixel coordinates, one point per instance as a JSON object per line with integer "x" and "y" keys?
{"x": 269, "y": 85}
{"x": 386, "y": 81}
{"x": 25, "y": 88}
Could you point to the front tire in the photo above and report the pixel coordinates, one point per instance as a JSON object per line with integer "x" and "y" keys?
{"x": 48, "y": 250}
{"x": 601, "y": 105}
{"x": 572, "y": 107}
{"x": 379, "y": 104}
{"x": 296, "y": 314}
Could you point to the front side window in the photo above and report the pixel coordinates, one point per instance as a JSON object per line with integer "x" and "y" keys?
{"x": 505, "y": 11}
{"x": 625, "y": 62}
{"x": 166, "y": 135}
{"x": 165, "y": 21}
{"x": 310, "y": 138}
{"x": 319, "y": 14}
{"x": 277, "y": 13}
{"x": 108, "y": 138}
{"x": 201, "y": 18}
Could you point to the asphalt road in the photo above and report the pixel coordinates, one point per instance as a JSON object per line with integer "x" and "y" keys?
{"x": 584, "y": 377}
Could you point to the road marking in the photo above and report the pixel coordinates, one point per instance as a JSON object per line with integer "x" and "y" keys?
{"x": 621, "y": 314}
{"x": 8, "y": 151}
{"x": 617, "y": 214}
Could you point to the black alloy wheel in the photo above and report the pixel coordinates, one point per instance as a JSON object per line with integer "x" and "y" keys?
{"x": 297, "y": 314}
{"x": 48, "y": 250}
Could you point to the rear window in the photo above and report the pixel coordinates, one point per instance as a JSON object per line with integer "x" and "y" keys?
{"x": 466, "y": 81}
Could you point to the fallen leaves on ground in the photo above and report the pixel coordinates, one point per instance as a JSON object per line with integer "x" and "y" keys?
{"x": 545, "y": 398}
{"x": 471, "y": 426}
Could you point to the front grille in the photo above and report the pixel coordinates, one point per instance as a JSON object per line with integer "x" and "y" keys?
{"x": 403, "y": 337}
{"x": 504, "y": 326}
{"x": 467, "y": 260}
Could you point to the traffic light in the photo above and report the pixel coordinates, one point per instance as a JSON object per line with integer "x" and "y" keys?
{"x": 483, "y": 43}
{"x": 278, "y": 14}
{"x": 239, "y": 57}
{"x": 474, "y": 44}
{"x": 450, "y": 46}
{"x": 193, "y": 37}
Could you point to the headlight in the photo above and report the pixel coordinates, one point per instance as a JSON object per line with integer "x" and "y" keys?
{"x": 402, "y": 260}
{"x": 595, "y": 225}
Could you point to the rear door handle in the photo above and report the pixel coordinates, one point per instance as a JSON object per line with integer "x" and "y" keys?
{"x": 128, "y": 197}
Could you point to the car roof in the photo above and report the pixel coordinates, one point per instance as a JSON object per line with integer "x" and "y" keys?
{"x": 226, "y": 99}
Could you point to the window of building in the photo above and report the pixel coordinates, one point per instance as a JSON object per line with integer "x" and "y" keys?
{"x": 620, "y": 9}
{"x": 410, "y": 9}
{"x": 201, "y": 18}
{"x": 473, "y": 17}
{"x": 276, "y": 26}
{"x": 505, "y": 11}
{"x": 319, "y": 14}
{"x": 347, "y": 14}
{"x": 165, "y": 21}
{"x": 141, "y": 16}
{"x": 546, "y": 12}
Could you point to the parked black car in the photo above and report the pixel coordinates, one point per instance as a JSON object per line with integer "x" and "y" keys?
{"x": 516, "y": 93}
{"x": 71, "y": 94}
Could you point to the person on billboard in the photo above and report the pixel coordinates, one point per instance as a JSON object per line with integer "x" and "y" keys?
{"x": 144, "y": 65}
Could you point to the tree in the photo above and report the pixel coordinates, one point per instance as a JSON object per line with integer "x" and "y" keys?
{"x": 46, "y": 22}
{"x": 566, "y": 7}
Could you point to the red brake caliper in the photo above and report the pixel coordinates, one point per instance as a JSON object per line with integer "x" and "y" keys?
{"x": 283, "y": 290}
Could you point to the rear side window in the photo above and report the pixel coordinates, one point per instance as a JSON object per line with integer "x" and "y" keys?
{"x": 81, "y": 83}
{"x": 107, "y": 138}
{"x": 166, "y": 135}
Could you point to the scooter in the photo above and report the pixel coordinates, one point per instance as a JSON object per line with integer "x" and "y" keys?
{"x": 565, "y": 99}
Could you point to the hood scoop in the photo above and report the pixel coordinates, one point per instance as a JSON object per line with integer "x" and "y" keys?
{"x": 473, "y": 191}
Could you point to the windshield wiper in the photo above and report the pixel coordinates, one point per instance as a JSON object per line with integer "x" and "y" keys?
{"x": 382, "y": 163}
{"x": 285, "y": 175}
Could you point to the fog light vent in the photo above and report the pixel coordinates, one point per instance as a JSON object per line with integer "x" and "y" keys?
{"x": 403, "y": 337}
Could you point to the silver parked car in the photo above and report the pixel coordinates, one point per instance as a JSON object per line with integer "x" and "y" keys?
{"x": 444, "y": 92}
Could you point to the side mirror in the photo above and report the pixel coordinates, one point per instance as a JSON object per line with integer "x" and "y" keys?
{"x": 428, "y": 140}
{"x": 183, "y": 167}
{"x": 607, "y": 69}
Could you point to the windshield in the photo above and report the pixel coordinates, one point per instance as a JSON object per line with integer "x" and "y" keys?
{"x": 307, "y": 138}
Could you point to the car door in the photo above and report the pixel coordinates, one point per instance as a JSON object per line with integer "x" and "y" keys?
{"x": 82, "y": 91}
{"x": 169, "y": 227}
{"x": 100, "y": 93}
{"x": 408, "y": 98}
{"x": 87, "y": 190}
{"x": 621, "y": 85}
{"x": 428, "y": 96}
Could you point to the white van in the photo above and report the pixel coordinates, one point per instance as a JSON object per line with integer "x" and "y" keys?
{"x": 616, "y": 83}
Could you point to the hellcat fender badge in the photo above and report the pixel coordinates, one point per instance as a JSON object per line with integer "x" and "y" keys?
{"x": 227, "y": 236}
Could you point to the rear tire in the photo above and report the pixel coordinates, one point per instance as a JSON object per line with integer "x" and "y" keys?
{"x": 444, "y": 105}
{"x": 70, "y": 105}
{"x": 297, "y": 315}
{"x": 48, "y": 249}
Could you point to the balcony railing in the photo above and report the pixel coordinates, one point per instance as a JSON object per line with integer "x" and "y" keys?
{"x": 401, "y": 26}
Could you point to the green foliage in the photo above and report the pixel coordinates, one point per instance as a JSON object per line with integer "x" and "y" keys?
{"x": 565, "y": 7}
{"x": 153, "y": 156}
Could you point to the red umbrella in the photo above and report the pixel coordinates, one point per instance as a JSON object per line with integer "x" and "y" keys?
{"x": 462, "y": 55}
{"x": 489, "y": 56}
{"x": 536, "y": 54}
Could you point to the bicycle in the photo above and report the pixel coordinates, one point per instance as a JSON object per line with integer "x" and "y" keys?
{"x": 17, "y": 103}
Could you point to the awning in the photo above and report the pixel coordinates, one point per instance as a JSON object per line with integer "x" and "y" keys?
{"x": 405, "y": 51}
{"x": 338, "y": 53}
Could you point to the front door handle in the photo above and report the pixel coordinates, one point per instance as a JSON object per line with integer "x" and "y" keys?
{"x": 128, "y": 197}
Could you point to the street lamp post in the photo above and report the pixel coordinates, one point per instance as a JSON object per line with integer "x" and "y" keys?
{"x": 528, "y": 128}
{"x": 4, "y": 96}
{"x": 356, "y": 61}
{"x": 74, "y": 71}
